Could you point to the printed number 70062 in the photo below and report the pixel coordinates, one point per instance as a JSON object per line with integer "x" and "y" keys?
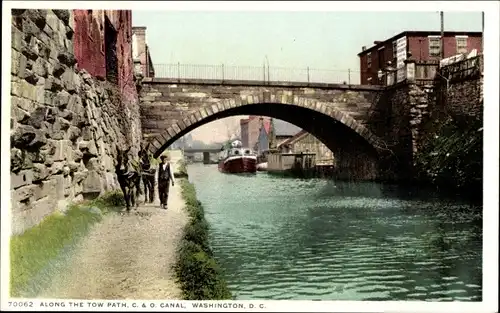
{"x": 25, "y": 304}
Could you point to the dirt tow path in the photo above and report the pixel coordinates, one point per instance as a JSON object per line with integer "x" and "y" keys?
{"x": 127, "y": 256}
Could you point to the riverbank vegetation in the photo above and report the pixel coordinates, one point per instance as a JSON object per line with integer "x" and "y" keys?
{"x": 181, "y": 171}
{"x": 452, "y": 158}
{"x": 32, "y": 250}
{"x": 196, "y": 269}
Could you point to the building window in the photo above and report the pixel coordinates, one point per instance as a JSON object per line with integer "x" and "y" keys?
{"x": 381, "y": 57}
{"x": 394, "y": 50}
{"x": 369, "y": 60}
{"x": 461, "y": 44}
{"x": 434, "y": 46}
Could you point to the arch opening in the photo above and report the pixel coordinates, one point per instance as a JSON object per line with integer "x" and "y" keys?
{"x": 353, "y": 146}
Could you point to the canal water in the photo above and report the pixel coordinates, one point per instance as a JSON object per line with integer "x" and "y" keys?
{"x": 285, "y": 238}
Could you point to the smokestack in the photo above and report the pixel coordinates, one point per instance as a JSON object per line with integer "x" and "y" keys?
{"x": 442, "y": 34}
{"x": 482, "y": 34}
{"x": 140, "y": 51}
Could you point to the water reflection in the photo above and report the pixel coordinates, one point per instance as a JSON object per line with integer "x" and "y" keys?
{"x": 318, "y": 239}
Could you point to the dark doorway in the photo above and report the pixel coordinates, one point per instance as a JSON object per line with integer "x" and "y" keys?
{"x": 110, "y": 36}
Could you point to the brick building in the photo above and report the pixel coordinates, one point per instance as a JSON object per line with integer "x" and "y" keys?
{"x": 422, "y": 45}
{"x": 103, "y": 47}
{"x": 250, "y": 129}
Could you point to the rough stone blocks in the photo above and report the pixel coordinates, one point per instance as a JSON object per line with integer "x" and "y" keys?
{"x": 65, "y": 126}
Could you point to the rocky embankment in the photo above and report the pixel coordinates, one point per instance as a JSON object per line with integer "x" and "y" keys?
{"x": 65, "y": 124}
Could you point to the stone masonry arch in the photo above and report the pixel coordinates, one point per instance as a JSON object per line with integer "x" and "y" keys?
{"x": 340, "y": 116}
{"x": 160, "y": 142}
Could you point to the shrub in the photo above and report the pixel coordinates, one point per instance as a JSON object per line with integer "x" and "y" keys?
{"x": 195, "y": 212}
{"x": 197, "y": 232}
{"x": 110, "y": 201}
{"x": 181, "y": 170}
{"x": 453, "y": 156}
{"x": 199, "y": 274}
{"x": 196, "y": 269}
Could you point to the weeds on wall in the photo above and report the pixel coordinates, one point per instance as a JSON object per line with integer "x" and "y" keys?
{"x": 197, "y": 271}
{"x": 453, "y": 156}
{"x": 31, "y": 251}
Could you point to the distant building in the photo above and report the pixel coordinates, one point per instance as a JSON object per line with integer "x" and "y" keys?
{"x": 282, "y": 131}
{"x": 272, "y": 133}
{"x": 264, "y": 134}
{"x": 244, "y": 131}
{"x": 250, "y": 128}
{"x": 307, "y": 143}
{"x": 422, "y": 45}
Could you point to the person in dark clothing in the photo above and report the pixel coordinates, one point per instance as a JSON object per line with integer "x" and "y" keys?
{"x": 164, "y": 178}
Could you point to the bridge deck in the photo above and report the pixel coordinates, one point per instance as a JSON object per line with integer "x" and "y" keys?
{"x": 218, "y": 82}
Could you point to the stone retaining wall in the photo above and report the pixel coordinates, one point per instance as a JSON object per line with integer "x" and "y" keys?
{"x": 65, "y": 124}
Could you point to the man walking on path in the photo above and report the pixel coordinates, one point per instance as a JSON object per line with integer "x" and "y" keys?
{"x": 164, "y": 177}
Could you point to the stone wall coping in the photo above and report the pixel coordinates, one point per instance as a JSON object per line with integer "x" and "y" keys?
{"x": 219, "y": 82}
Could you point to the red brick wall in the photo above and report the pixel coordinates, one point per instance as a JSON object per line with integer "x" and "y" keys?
{"x": 372, "y": 72}
{"x": 88, "y": 42}
{"x": 90, "y": 51}
{"x": 244, "y": 132}
{"x": 253, "y": 131}
{"x": 419, "y": 48}
{"x": 124, "y": 52}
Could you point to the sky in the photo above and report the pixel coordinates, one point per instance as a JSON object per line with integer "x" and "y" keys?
{"x": 319, "y": 40}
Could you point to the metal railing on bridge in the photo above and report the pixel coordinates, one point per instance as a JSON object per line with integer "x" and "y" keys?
{"x": 255, "y": 73}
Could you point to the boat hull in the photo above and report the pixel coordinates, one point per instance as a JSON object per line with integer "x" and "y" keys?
{"x": 235, "y": 165}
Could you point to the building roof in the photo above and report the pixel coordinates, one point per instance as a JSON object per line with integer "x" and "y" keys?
{"x": 282, "y": 128}
{"x": 301, "y": 134}
{"x": 418, "y": 33}
{"x": 246, "y": 120}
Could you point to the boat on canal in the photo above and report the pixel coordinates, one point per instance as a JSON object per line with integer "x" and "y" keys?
{"x": 236, "y": 159}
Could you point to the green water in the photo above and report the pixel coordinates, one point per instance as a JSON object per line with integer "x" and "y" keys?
{"x": 315, "y": 239}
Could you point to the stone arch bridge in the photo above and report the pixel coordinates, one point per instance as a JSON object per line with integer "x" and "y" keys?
{"x": 343, "y": 117}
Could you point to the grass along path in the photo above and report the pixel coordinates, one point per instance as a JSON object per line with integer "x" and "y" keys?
{"x": 127, "y": 255}
{"x": 37, "y": 252}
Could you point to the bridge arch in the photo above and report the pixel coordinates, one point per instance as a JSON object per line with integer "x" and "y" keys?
{"x": 355, "y": 147}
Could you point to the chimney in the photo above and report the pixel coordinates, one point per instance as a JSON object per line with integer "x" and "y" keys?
{"x": 363, "y": 48}
{"x": 376, "y": 42}
{"x": 139, "y": 53}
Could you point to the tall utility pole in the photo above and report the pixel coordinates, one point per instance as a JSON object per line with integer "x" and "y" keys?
{"x": 442, "y": 33}
{"x": 482, "y": 33}
{"x": 267, "y": 61}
